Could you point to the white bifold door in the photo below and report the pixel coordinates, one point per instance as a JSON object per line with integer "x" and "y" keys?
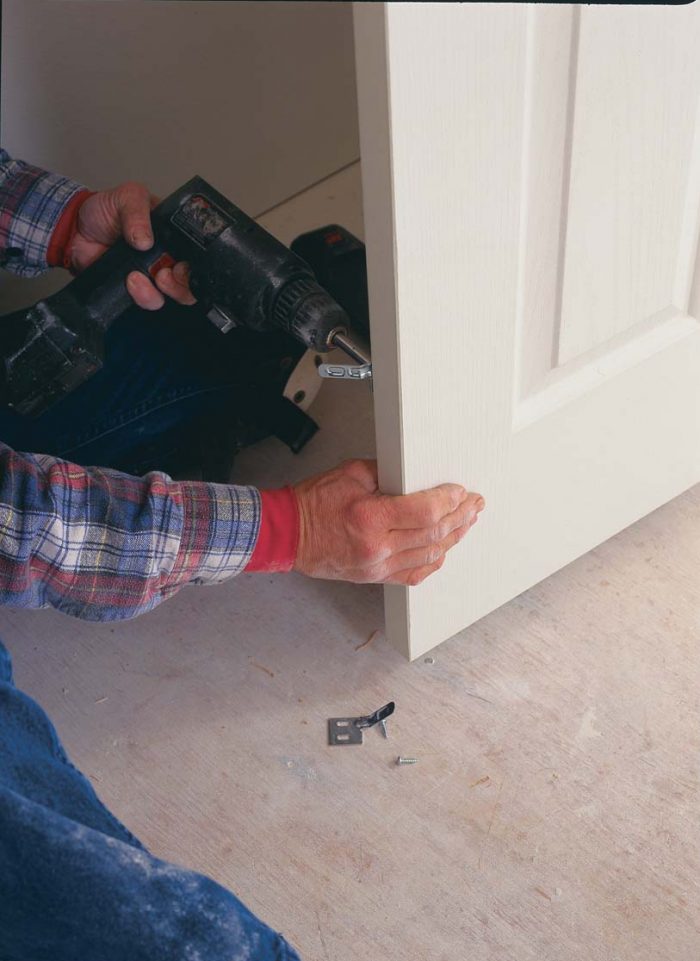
{"x": 531, "y": 180}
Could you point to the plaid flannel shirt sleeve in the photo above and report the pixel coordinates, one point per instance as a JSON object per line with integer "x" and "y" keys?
{"x": 31, "y": 203}
{"x": 103, "y": 546}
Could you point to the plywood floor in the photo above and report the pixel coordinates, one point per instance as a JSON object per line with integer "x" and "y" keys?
{"x": 553, "y": 814}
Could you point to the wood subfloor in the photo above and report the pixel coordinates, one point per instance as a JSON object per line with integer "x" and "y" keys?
{"x": 552, "y": 814}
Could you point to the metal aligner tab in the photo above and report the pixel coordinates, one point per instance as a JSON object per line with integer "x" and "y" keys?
{"x": 348, "y": 730}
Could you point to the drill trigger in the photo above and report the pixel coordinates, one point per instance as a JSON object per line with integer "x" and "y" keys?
{"x": 165, "y": 260}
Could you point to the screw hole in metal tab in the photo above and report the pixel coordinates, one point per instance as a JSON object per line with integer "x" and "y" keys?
{"x": 352, "y": 727}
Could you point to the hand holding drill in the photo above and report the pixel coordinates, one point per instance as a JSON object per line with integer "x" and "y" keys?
{"x": 349, "y": 529}
{"x": 125, "y": 211}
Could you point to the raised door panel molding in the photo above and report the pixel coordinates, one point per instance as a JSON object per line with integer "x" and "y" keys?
{"x": 610, "y": 196}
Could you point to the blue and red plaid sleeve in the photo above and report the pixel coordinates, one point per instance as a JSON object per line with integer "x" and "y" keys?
{"x": 31, "y": 203}
{"x": 104, "y": 546}
{"x": 92, "y": 542}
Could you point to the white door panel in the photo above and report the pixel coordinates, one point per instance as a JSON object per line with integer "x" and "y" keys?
{"x": 631, "y": 92}
{"x": 532, "y": 195}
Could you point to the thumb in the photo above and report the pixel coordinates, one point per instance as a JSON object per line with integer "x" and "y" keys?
{"x": 133, "y": 203}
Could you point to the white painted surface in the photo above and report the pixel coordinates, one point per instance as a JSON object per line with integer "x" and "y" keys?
{"x": 634, "y": 171}
{"x": 532, "y": 211}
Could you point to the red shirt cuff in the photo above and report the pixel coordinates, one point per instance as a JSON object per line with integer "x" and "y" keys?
{"x": 278, "y": 538}
{"x": 58, "y": 254}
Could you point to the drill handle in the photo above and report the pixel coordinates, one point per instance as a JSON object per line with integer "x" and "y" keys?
{"x": 101, "y": 290}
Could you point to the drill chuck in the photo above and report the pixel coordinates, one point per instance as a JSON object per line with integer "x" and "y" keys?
{"x": 307, "y": 312}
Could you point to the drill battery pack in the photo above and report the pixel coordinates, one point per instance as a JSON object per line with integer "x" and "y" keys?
{"x": 339, "y": 261}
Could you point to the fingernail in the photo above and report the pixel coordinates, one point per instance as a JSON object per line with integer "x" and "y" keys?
{"x": 182, "y": 272}
{"x": 471, "y": 517}
{"x": 142, "y": 240}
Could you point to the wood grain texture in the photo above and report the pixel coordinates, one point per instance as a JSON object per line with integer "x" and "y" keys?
{"x": 548, "y": 102}
{"x": 379, "y": 217}
{"x": 479, "y": 202}
{"x": 632, "y": 156}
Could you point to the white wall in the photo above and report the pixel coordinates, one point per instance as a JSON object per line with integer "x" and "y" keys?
{"x": 257, "y": 97}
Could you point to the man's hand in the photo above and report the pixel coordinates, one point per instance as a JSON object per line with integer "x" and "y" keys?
{"x": 125, "y": 212}
{"x": 350, "y": 531}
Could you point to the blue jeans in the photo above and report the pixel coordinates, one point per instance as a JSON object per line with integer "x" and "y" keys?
{"x": 169, "y": 378}
{"x": 75, "y": 884}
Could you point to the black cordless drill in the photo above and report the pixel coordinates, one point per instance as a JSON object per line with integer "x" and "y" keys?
{"x": 240, "y": 273}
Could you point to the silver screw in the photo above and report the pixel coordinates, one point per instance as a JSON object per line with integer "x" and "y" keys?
{"x": 382, "y": 724}
{"x": 406, "y": 760}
